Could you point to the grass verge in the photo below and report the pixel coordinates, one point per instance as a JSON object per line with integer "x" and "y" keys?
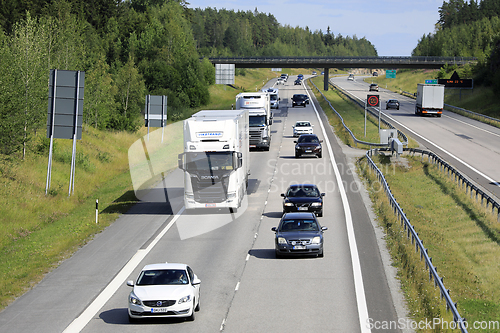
{"x": 37, "y": 231}
{"x": 462, "y": 238}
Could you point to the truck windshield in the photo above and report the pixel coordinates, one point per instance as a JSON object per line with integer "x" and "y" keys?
{"x": 209, "y": 161}
{"x": 257, "y": 121}
{"x": 274, "y": 97}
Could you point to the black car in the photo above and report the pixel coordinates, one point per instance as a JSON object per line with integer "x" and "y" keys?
{"x": 298, "y": 82}
{"x": 303, "y": 198}
{"x": 299, "y": 234}
{"x": 308, "y": 144}
{"x": 300, "y": 99}
{"x": 392, "y": 104}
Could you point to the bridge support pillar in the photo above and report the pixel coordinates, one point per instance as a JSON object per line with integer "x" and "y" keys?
{"x": 326, "y": 79}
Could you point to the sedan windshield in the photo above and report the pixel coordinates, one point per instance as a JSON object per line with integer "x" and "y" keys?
{"x": 299, "y": 225}
{"x": 303, "y": 124}
{"x": 308, "y": 139}
{"x": 302, "y": 191}
{"x": 162, "y": 277}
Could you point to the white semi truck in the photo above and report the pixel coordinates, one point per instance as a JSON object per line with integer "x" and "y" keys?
{"x": 430, "y": 99}
{"x": 259, "y": 107}
{"x": 215, "y": 159}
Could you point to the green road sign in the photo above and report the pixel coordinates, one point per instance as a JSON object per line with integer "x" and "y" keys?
{"x": 431, "y": 81}
{"x": 390, "y": 74}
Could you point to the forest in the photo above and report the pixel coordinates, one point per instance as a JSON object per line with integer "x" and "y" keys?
{"x": 467, "y": 29}
{"x": 129, "y": 49}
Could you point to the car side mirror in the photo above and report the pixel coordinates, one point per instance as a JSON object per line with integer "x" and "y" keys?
{"x": 196, "y": 281}
{"x": 274, "y": 229}
{"x": 130, "y": 283}
{"x": 283, "y": 195}
{"x": 320, "y": 141}
{"x": 324, "y": 228}
{"x": 322, "y": 194}
{"x": 295, "y": 141}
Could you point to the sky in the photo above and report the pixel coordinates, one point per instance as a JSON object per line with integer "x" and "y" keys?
{"x": 394, "y": 27}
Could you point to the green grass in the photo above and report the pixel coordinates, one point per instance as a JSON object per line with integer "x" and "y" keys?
{"x": 353, "y": 116}
{"x": 462, "y": 238}
{"x": 37, "y": 231}
{"x": 480, "y": 99}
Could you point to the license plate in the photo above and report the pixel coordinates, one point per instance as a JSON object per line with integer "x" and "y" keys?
{"x": 252, "y": 146}
{"x": 210, "y": 205}
{"x": 299, "y": 247}
{"x": 308, "y": 151}
{"x": 159, "y": 310}
{"x": 302, "y": 208}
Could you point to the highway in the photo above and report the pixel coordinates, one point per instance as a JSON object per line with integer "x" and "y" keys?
{"x": 469, "y": 145}
{"x": 244, "y": 287}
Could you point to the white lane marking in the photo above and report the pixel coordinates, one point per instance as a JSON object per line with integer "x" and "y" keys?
{"x": 493, "y": 182}
{"x": 445, "y": 151}
{"x": 356, "y": 265}
{"x": 476, "y": 127}
{"x": 81, "y": 321}
{"x": 237, "y": 286}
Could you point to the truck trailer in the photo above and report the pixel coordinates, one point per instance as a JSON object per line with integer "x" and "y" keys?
{"x": 215, "y": 159}
{"x": 259, "y": 112}
{"x": 430, "y": 99}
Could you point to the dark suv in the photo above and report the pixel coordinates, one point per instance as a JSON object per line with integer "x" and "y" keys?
{"x": 300, "y": 99}
{"x": 303, "y": 198}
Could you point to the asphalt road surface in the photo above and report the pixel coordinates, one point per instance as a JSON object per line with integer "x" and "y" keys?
{"x": 469, "y": 145}
{"x": 244, "y": 287}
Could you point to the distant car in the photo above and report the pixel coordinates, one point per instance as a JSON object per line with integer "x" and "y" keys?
{"x": 298, "y": 82}
{"x": 308, "y": 144}
{"x": 302, "y": 127}
{"x": 392, "y": 104}
{"x": 284, "y": 77}
{"x": 165, "y": 290}
{"x": 322, "y": 73}
{"x": 298, "y": 234}
{"x": 300, "y": 99}
{"x": 300, "y": 76}
{"x": 281, "y": 81}
{"x": 373, "y": 87}
{"x": 351, "y": 77}
{"x": 375, "y": 74}
{"x": 314, "y": 73}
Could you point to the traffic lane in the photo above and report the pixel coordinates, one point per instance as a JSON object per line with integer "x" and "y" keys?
{"x": 380, "y": 297}
{"x": 469, "y": 145}
{"x": 298, "y": 293}
{"x": 216, "y": 256}
{"x": 66, "y": 291}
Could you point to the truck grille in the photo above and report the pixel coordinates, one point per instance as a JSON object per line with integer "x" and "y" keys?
{"x": 210, "y": 192}
{"x": 255, "y": 135}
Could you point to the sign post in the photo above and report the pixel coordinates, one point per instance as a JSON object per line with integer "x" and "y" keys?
{"x": 65, "y": 115}
{"x": 374, "y": 102}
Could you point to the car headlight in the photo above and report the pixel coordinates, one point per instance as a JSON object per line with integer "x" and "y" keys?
{"x": 288, "y": 204}
{"x": 231, "y": 195}
{"x": 134, "y": 299}
{"x": 184, "y": 299}
{"x": 316, "y": 204}
{"x": 281, "y": 240}
{"x": 316, "y": 240}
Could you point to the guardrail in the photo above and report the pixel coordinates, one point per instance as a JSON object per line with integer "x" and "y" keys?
{"x": 401, "y": 135}
{"x": 419, "y": 246}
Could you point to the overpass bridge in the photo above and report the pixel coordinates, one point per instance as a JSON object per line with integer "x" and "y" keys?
{"x": 343, "y": 62}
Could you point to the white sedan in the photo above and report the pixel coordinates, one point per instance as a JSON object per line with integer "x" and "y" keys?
{"x": 164, "y": 290}
{"x": 302, "y": 127}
